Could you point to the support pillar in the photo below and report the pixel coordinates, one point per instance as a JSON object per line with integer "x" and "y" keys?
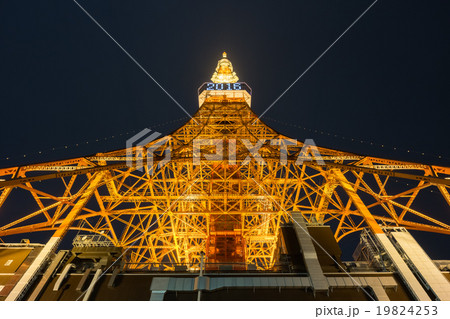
{"x": 405, "y": 273}
{"x": 199, "y": 294}
{"x": 25, "y": 281}
{"x": 318, "y": 279}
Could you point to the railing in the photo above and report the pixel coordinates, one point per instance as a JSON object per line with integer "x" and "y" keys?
{"x": 92, "y": 241}
{"x": 209, "y": 267}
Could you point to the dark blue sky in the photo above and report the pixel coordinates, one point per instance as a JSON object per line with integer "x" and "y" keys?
{"x": 64, "y": 82}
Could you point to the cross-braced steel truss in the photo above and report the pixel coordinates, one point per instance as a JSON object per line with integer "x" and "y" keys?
{"x": 230, "y": 207}
{"x": 230, "y": 183}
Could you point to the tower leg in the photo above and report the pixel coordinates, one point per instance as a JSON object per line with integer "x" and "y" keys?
{"x": 318, "y": 279}
{"x": 28, "y": 277}
{"x": 405, "y": 273}
{"x": 199, "y": 294}
{"x": 422, "y": 263}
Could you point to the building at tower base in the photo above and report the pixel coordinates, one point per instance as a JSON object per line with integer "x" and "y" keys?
{"x": 304, "y": 271}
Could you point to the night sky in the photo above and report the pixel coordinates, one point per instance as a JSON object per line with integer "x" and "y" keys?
{"x": 384, "y": 84}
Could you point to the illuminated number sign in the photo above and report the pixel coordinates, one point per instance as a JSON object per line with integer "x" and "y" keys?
{"x": 238, "y": 86}
{"x": 223, "y": 86}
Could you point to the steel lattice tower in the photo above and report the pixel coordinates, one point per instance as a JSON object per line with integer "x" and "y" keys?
{"x": 232, "y": 206}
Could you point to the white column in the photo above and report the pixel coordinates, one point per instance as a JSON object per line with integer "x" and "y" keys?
{"x": 408, "y": 277}
{"x": 22, "y": 285}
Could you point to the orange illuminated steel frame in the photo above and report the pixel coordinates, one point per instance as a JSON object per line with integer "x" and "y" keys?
{"x": 232, "y": 212}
